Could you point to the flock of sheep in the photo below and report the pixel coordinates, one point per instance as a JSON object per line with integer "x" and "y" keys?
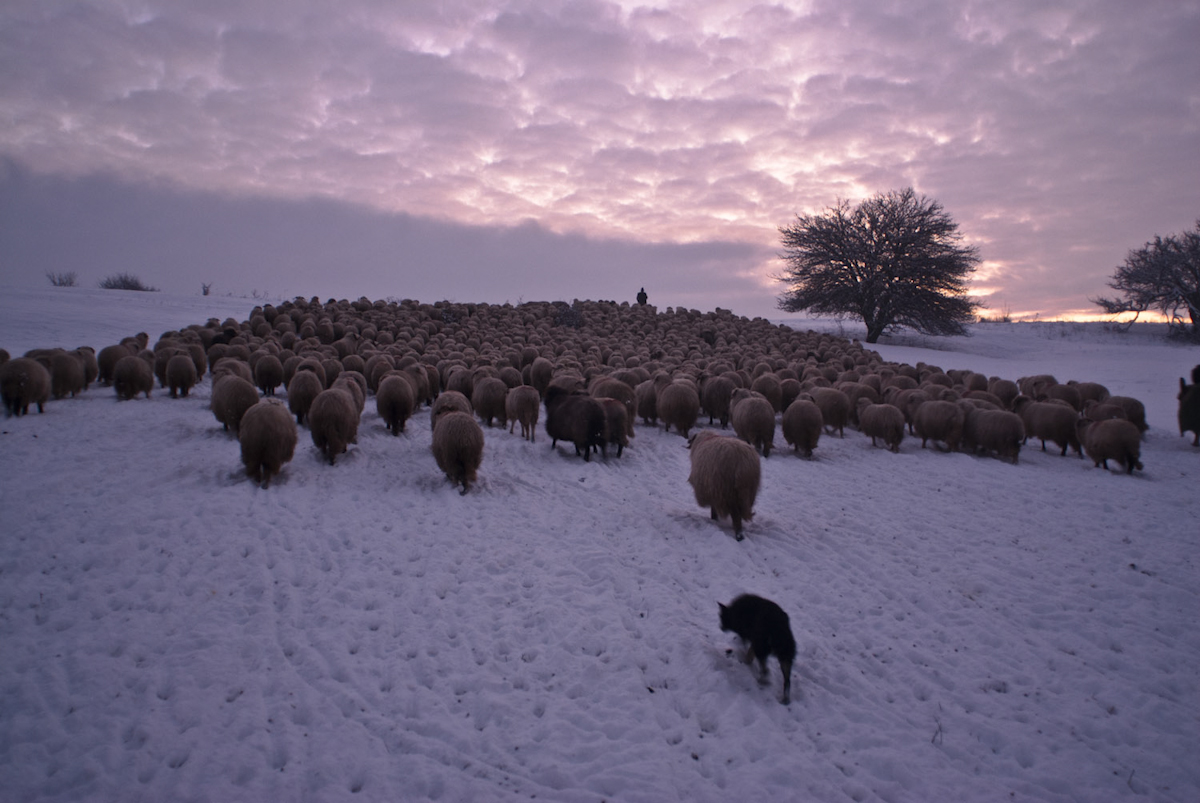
{"x": 595, "y": 368}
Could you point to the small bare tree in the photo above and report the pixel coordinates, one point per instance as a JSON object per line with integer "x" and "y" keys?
{"x": 67, "y": 279}
{"x": 1162, "y": 275}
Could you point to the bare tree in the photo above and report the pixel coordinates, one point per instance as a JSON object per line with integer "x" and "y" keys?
{"x": 1162, "y": 275}
{"x": 895, "y": 260}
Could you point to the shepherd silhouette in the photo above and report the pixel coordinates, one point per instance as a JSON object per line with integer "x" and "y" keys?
{"x": 642, "y": 297}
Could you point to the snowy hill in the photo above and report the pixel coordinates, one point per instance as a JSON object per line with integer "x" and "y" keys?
{"x": 968, "y": 629}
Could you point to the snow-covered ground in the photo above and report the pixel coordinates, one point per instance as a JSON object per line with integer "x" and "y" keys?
{"x": 968, "y": 629}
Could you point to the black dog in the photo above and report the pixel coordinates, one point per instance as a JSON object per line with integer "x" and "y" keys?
{"x": 764, "y": 627}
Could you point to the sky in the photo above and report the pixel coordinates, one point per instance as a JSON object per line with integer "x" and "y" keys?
{"x": 508, "y": 151}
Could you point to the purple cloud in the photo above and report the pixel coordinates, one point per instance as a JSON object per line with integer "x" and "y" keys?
{"x": 1058, "y": 135}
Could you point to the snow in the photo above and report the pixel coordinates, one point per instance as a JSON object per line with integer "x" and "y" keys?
{"x": 967, "y": 629}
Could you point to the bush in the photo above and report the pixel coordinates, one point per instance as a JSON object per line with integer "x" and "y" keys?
{"x": 68, "y": 279}
{"x": 125, "y": 281}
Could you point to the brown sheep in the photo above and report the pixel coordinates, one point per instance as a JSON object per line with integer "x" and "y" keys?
{"x": 346, "y": 382}
{"x": 449, "y": 401}
{"x": 753, "y": 419}
{"x": 609, "y": 388}
{"x": 395, "y": 401}
{"x": 230, "y": 365}
{"x": 939, "y": 421}
{"x": 181, "y": 374}
{"x": 131, "y": 376}
{"x": 678, "y": 406}
{"x": 576, "y": 417}
{"x": 1100, "y": 411}
{"x": 487, "y": 399}
{"x": 301, "y": 391}
{"x": 333, "y": 421}
{"x": 1111, "y": 439}
{"x": 67, "y": 376}
{"x": 106, "y": 361}
{"x": 616, "y": 425}
{"x": 1135, "y": 411}
{"x": 458, "y": 447}
{"x": 232, "y": 396}
{"x": 1004, "y": 389}
{"x": 715, "y": 396}
{"x": 268, "y": 438}
{"x": 725, "y": 476}
{"x": 881, "y": 421}
{"x": 835, "y": 408}
{"x": 522, "y": 404}
{"x": 998, "y": 431}
{"x": 802, "y": 424}
{"x": 268, "y": 374}
{"x": 1049, "y": 421}
{"x": 646, "y": 396}
{"x": 768, "y": 385}
{"x": 23, "y": 382}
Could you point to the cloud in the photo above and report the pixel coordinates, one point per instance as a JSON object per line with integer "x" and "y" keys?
{"x": 1058, "y": 134}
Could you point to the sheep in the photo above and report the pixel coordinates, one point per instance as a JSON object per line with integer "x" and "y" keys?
{"x": 541, "y": 371}
{"x": 1048, "y": 421}
{"x": 1135, "y": 411}
{"x": 881, "y": 421}
{"x": 609, "y": 388}
{"x": 835, "y": 408}
{"x": 574, "y": 416}
{"x": 357, "y": 394}
{"x": 131, "y": 376}
{"x": 1068, "y": 393}
{"x": 646, "y": 397}
{"x": 616, "y": 425}
{"x": 333, "y": 422}
{"x": 939, "y": 421}
{"x": 87, "y": 356}
{"x": 725, "y": 475}
{"x": 314, "y": 365}
{"x": 301, "y": 391}
{"x": 753, "y": 419}
{"x": 66, "y": 374}
{"x": 522, "y": 404}
{"x": 678, "y": 406}
{"x": 181, "y": 374}
{"x": 268, "y": 374}
{"x": 768, "y": 385}
{"x": 1099, "y": 411}
{"x": 1090, "y": 391}
{"x": 230, "y": 365}
{"x": 268, "y": 437}
{"x": 450, "y": 401}
{"x": 855, "y": 391}
{"x": 802, "y": 424}
{"x": 1189, "y": 406}
{"x": 394, "y": 401}
{"x": 998, "y": 431}
{"x": 1111, "y": 439}
{"x": 106, "y": 360}
{"x": 715, "y": 396}
{"x": 487, "y": 399}
{"x": 1004, "y": 389}
{"x": 458, "y": 447}
{"x": 232, "y": 396}
{"x": 23, "y": 382}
